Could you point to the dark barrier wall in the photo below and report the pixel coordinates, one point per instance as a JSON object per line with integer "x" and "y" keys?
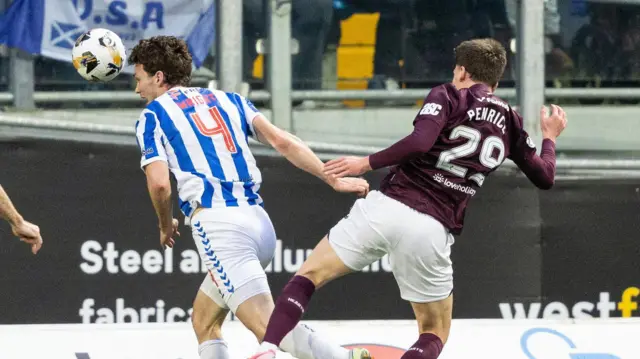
{"x": 101, "y": 261}
{"x": 591, "y": 249}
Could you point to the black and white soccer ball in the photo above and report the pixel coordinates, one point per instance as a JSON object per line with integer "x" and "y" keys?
{"x": 98, "y": 55}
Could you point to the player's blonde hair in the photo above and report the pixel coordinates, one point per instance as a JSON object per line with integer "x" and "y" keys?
{"x": 484, "y": 59}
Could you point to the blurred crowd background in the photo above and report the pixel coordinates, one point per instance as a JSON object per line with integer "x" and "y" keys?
{"x": 391, "y": 44}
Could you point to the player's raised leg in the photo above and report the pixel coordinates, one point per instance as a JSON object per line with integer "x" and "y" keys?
{"x": 236, "y": 254}
{"x": 350, "y": 246}
{"x": 207, "y": 319}
{"x": 301, "y": 342}
{"x": 322, "y": 266}
{"x": 209, "y": 312}
{"x": 419, "y": 254}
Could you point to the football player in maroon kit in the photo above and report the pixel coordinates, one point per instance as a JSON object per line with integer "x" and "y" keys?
{"x": 462, "y": 133}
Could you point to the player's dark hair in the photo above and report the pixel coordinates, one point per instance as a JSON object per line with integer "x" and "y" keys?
{"x": 167, "y": 54}
{"x": 484, "y": 59}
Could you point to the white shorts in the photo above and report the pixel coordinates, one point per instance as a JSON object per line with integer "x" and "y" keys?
{"x": 236, "y": 244}
{"x": 419, "y": 246}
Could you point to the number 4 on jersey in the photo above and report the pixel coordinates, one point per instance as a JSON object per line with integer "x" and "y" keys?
{"x": 213, "y": 125}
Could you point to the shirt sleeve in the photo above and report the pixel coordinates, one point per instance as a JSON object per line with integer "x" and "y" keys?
{"x": 540, "y": 169}
{"x": 250, "y": 111}
{"x": 247, "y": 110}
{"x": 427, "y": 126}
{"x": 150, "y": 139}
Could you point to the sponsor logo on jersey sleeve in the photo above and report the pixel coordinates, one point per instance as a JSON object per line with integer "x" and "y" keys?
{"x": 431, "y": 109}
{"x": 530, "y": 142}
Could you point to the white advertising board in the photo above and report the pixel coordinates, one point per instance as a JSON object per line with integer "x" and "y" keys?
{"x": 495, "y": 339}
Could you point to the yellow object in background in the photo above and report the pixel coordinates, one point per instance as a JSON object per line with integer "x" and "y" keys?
{"x": 354, "y": 54}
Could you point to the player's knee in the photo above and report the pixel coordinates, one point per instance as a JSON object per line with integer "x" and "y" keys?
{"x": 309, "y": 272}
{"x": 318, "y": 276}
{"x": 255, "y": 312}
{"x": 436, "y": 322}
{"x": 323, "y": 265}
{"x": 437, "y": 326}
{"x": 259, "y": 330}
{"x": 257, "y": 325}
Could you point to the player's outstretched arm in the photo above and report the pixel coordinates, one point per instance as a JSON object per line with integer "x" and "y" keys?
{"x": 420, "y": 141}
{"x": 541, "y": 169}
{"x": 426, "y": 128}
{"x": 7, "y": 210}
{"x": 301, "y": 156}
{"x": 27, "y": 232}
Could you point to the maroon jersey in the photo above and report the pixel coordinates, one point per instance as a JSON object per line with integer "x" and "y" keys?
{"x": 459, "y": 138}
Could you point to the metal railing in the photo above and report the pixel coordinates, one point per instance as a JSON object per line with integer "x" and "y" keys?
{"x": 43, "y": 97}
{"x": 530, "y": 52}
{"x": 530, "y": 92}
{"x": 327, "y": 150}
{"x": 278, "y": 21}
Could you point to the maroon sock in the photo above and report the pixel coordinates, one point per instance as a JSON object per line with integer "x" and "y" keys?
{"x": 428, "y": 346}
{"x": 290, "y": 306}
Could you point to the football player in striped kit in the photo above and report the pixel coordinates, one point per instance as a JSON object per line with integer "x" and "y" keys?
{"x": 201, "y": 137}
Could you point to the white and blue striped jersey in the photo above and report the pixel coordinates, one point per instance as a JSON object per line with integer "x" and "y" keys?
{"x": 203, "y": 136}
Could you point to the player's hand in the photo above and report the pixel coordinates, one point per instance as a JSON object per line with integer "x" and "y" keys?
{"x": 347, "y": 166}
{"x": 552, "y": 125}
{"x": 350, "y": 185}
{"x": 29, "y": 233}
{"x": 167, "y": 234}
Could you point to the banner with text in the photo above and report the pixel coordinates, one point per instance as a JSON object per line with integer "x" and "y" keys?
{"x": 565, "y": 253}
{"x": 51, "y": 27}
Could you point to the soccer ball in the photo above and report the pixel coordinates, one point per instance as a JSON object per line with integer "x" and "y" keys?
{"x": 98, "y": 55}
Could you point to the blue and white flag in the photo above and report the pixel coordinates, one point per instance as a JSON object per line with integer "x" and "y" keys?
{"x": 51, "y": 27}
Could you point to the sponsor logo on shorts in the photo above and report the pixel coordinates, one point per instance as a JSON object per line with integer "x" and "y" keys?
{"x": 458, "y": 187}
{"x": 379, "y": 350}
